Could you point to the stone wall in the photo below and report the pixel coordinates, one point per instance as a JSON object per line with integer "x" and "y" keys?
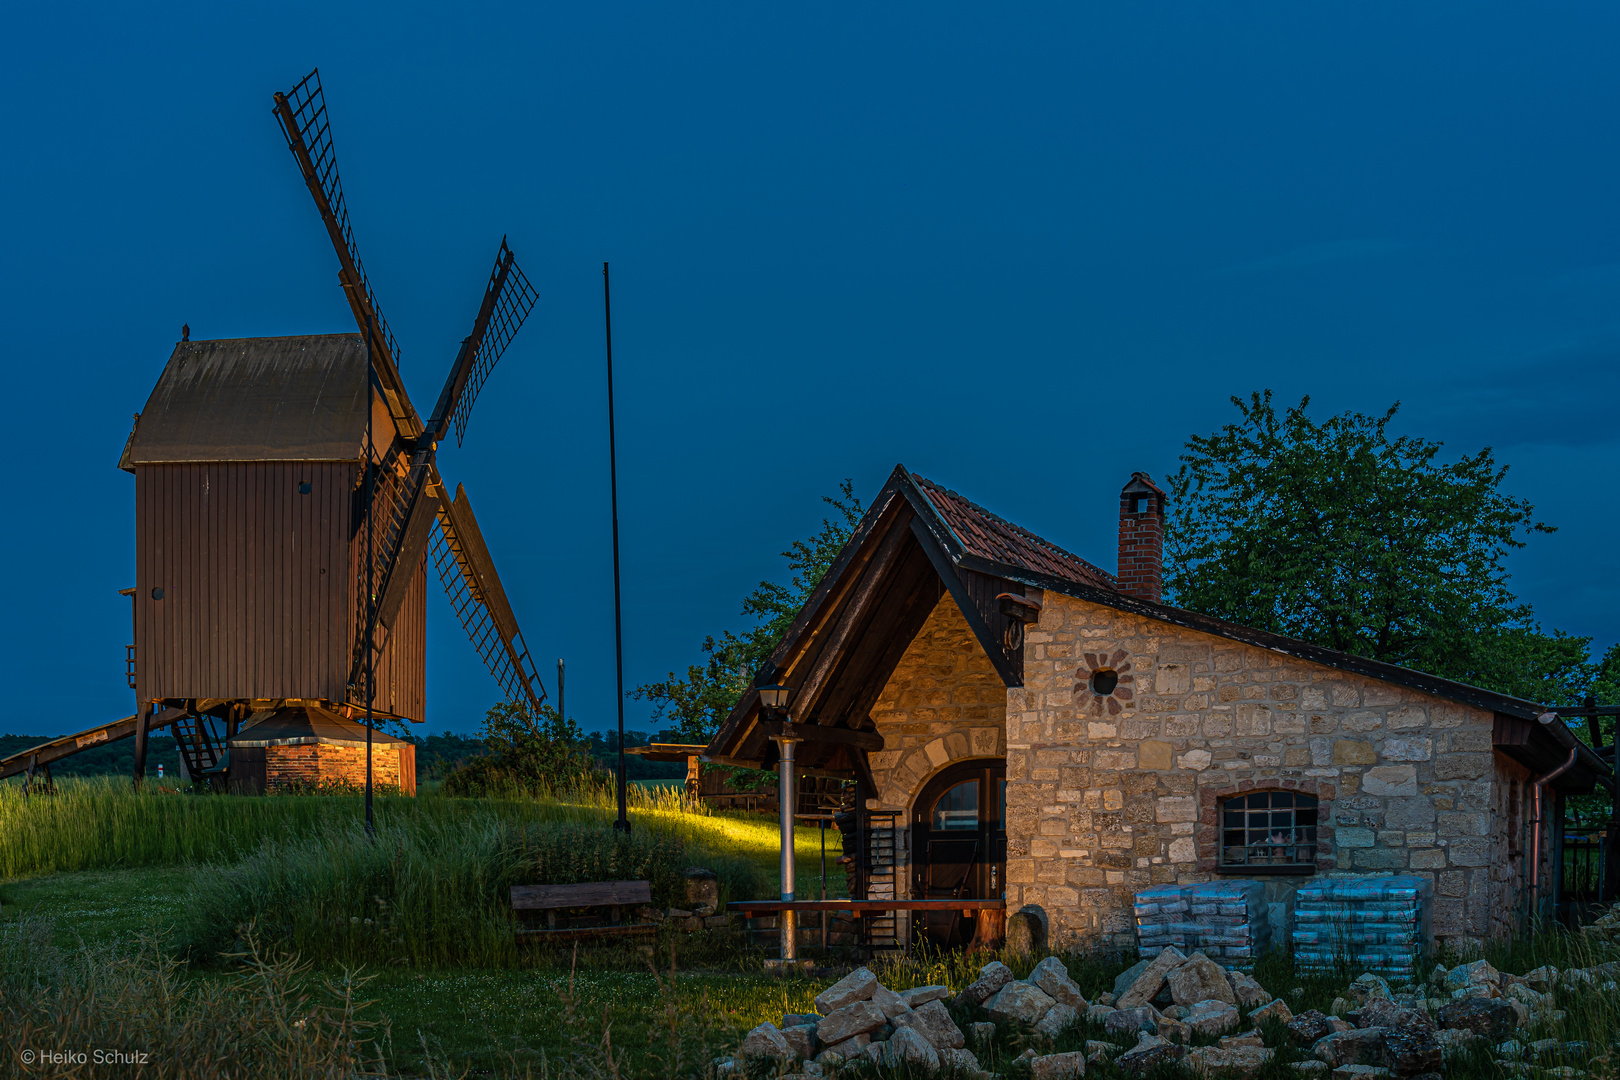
{"x": 1110, "y": 794}
{"x": 324, "y": 764}
{"x": 943, "y": 704}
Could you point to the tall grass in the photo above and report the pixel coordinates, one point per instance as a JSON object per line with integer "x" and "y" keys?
{"x": 431, "y": 892}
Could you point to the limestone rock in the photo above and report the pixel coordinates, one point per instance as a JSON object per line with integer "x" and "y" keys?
{"x": 922, "y": 995}
{"x": 1478, "y": 972}
{"x": 850, "y": 1048}
{"x": 992, "y": 977}
{"x": 1387, "y": 1014}
{"x": 1278, "y": 1008}
{"x": 1309, "y": 1068}
{"x": 1357, "y": 1071}
{"x": 961, "y": 1060}
{"x": 1025, "y": 933}
{"x": 1491, "y": 1017}
{"x": 1358, "y": 1046}
{"x": 856, "y": 986}
{"x": 1067, "y": 1066}
{"x": 1369, "y": 986}
{"x": 1246, "y": 1038}
{"x": 1309, "y": 1026}
{"x": 765, "y": 1041}
{"x": 1130, "y": 1021}
{"x": 1174, "y": 1029}
{"x": 1147, "y": 984}
{"x": 890, "y": 1002}
{"x": 1542, "y": 978}
{"x": 1123, "y": 981}
{"x": 702, "y": 890}
{"x": 830, "y": 1059}
{"x": 1237, "y": 1061}
{"x": 933, "y": 1023}
{"x": 1199, "y": 979}
{"x": 1246, "y": 991}
{"x": 1058, "y": 1019}
{"x": 1411, "y": 1051}
{"x": 1053, "y": 979}
{"x": 802, "y": 1039}
{"x": 1212, "y": 1017}
{"x": 1018, "y": 1001}
{"x": 981, "y": 1032}
{"x": 907, "y": 1046}
{"x": 856, "y": 1018}
{"x": 795, "y": 1019}
{"x": 1149, "y": 1053}
{"x": 874, "y": 1051}
{"x": 1175, "y": 1012}
{"x": 1099, "y": 1014}
{"x": 1097, "y": 1050}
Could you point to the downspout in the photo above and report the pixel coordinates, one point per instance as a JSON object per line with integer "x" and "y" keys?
{"x": 1536, "y": 822}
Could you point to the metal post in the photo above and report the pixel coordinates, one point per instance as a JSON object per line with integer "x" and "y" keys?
{"x": 623, "y": 824}
{"x": 787, "y": 792}
{"x": 562, "y": 713}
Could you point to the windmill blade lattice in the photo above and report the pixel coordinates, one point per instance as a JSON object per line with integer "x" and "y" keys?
{"x": 305, "y": 123}
{"x": 517, "y": 298}
{"x": 475, "y": 592}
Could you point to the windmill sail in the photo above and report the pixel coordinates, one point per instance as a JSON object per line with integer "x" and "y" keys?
{"x": 513, "y": 299}
{"x": 307, "y": 127}
{"x": 475, "y": 591}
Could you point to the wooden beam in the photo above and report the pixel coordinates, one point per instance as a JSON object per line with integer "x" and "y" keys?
{"x": 586, "y": 894}
{"x": 67, "y": 745}
{"x": 855, "y": 612}
{"x": 970, "y": 611}
{"x": 818, "y": 733}
{"x": 912, "y": 596}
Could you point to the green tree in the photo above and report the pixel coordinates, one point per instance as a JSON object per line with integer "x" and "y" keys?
{"x": 697, "y": 704}
{"x": 1337, "y": 533}
{"x": 526, "y": 753}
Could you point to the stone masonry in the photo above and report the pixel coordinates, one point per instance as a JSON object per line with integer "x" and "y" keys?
{"x": 326, "y": 763}
{"x": 1108, "y": 795}
{"x": 943, "y": 704}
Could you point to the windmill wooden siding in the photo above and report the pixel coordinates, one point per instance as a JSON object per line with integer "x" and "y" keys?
{"x": 257, "y": 586}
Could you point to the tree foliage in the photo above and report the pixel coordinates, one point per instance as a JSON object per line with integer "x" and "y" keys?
{"x": 696, "y": 704}
{"x": 526, "y": 753}
{"x": 1341, "y": 534}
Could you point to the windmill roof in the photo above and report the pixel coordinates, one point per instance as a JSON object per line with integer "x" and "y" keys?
{"x": 256, "y": 399}
{"x": 308, "y": 725}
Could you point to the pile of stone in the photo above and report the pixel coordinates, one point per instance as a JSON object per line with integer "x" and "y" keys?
{"x": 1227, "y": 921}
{"x": 858, "y": 1019}
{"x": 1380, "y": 924}
{"x": 1607, "y": 929}
{"x": 1199, "y": 996}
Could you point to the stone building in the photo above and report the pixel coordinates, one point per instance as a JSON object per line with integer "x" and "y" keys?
{"x": 1022, "y": 724}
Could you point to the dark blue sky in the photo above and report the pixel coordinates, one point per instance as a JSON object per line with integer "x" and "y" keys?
{"x": 1024, "y": 251}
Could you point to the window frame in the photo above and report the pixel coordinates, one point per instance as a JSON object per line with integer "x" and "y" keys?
{"x": 1249, "y": 869}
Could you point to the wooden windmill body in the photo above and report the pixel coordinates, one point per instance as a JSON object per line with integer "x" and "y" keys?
{"x": 288, "y": 509}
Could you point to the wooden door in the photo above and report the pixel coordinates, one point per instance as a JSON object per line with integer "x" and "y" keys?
{"x": 959, "y": 846}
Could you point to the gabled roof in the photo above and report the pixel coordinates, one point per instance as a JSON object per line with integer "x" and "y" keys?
{"x": 981, "y": 533}
{"x": 964, "y": 539}
{"x": 256, "y": 399}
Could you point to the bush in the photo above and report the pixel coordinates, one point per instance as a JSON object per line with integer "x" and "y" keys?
{"x": 527, "y": 755}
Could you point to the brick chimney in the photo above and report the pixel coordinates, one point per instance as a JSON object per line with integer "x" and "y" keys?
{"x": 1141, "y": 539}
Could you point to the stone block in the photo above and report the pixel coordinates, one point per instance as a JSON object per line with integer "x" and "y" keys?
{"x": 1347, "y": 837}
{"x": 1462, "y": 766}
{"x": 1245, "y": 991}
{"x": 1053, "y": 979}
{"x": 1408, "y": 749}
{"x": 1411, "y": 812}
{"x": 1212, "y": 1017}
{"x": 934, "y": 1023}
{"x": 918, "y": 996}
{"x": 1196, "y": 760}
{"x": 1357, "y": 1046}
{"x": 992, "y": 977}
{"x": 765, "y": 1041}
{"x": 890, "y": 1002}
{"x": 1277, "y": 1009}
{"x": 1150, "y": 1054}
{"x": 1199, "y": 979}
{"x": 1253, "y": 721}
{"x": 858, "y": 985}
{"x": 802, "y": 1039}
{"x": 1176, "y": 808}
{"x": 1379, "y": 858}
{"x": 1152, "y": 977}
{"x": 1058, "y": 1019}
{"x": 1132, "y": 1020}
{"x": 908, "y": 1047}
{"x": 856, "y": 1018}
{"x": 1153, "y": 754}
{"x": 1390, "y": 780}
{"x": 1353, "y": 752}
{"x": 1183, "y": 850}
{"x": 1018, "y": 1001}
{"x": 1242, "y": 1062}
{"x": 1066, "y": 1066}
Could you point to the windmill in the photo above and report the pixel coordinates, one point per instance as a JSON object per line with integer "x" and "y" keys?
{"x": 288, "y": 502}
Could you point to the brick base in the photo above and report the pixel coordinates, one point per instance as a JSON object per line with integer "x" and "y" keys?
{"x": 321, "y": 765}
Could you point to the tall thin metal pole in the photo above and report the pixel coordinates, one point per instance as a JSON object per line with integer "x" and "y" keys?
{"x": 562, "y": 713}
{"x": 623, "y": 824}
{"x": 371, "y": 575}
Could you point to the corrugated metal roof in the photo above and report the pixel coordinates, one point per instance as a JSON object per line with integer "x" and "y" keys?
{"x": 256, "y": 399}
{"x": 984, "y": 534}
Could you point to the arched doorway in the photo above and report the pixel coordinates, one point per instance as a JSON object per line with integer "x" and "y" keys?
{"x": 959, "y": 846}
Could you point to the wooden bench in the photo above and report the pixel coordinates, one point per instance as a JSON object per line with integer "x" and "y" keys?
{"x": 551, "y": 899}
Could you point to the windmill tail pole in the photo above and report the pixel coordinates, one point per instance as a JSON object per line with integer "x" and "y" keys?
{"x": 623, "y": 823}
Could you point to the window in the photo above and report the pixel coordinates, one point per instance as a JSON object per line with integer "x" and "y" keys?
{"x": 1269, "y": 832}
{"x": 958, "y": 808}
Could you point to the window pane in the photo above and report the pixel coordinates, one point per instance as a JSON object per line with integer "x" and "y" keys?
{"x": 958, "y": 808}
{"x": 1269, "y": 828}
